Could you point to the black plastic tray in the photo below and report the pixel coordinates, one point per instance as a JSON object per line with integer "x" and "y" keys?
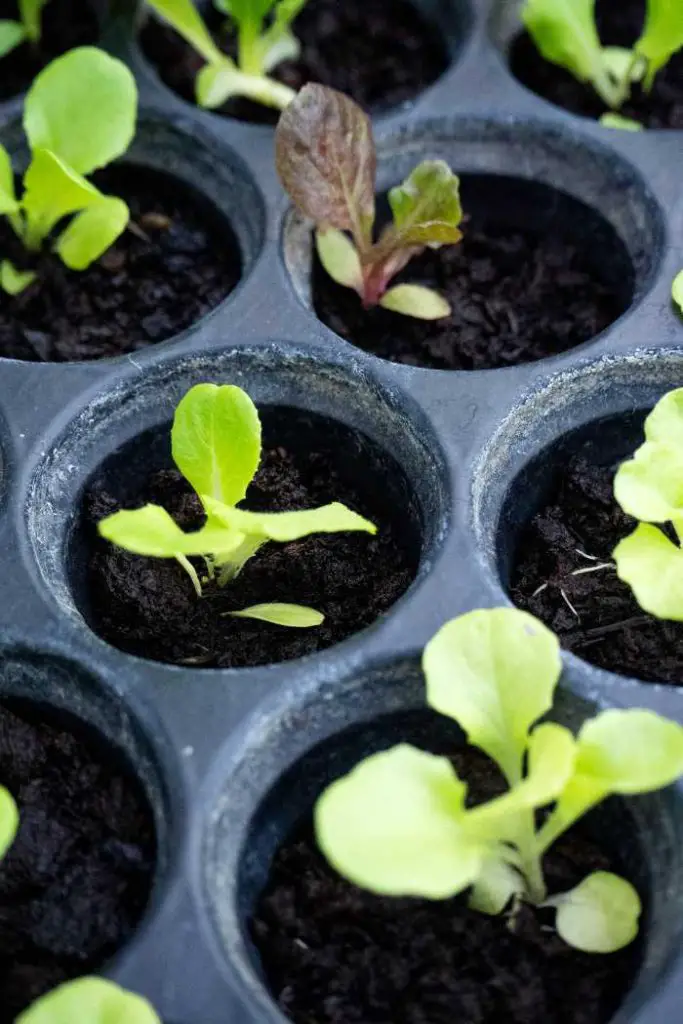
{"x": 475, "y": 448}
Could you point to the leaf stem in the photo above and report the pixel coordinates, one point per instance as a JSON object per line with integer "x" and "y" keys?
{"x": 263, "y": 89}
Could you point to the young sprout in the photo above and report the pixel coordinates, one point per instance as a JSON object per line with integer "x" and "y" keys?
{"x": 398, "y": 823}
{"x": 326, "y": 159}
{"x": 89, "y": 1001}
{"x": 264, "y": 39}
{"x": 27, "y": 29}
{"x": 78, "y": 116}
{"x": 9, "y": 820}
{"x": 677, "y": 290}
{"x": 565, "y": 33}
{"x": 216, "y": 445}
{"x": 649, "y": 487}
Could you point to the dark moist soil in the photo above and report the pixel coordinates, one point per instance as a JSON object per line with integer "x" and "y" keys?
{"x": 77, "y": 878}
{"x": 174, "y": 263}
{"x": 620, "y": 23}
{"x": 515, "y": 297}
{"x": 149, "y": 607}
{"x": 335, "y": 954}
{"x": 607, "y": 627}
{"x": 379, "y": 52}
{"x": 65, "y": 24}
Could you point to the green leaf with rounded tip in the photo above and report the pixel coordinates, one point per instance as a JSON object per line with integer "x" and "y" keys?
{"x": 89, "y": 1001}
{"x": 15, "y": 281}
{"x": 216, "y": 441}
{"x": 288, "y": 526}
{"x": 619, "y": 751}
{"x": 218, "y": 82}
{"x": 677, "y": 290}
{"x": 92, "y": 232}
{"x": 600, "y": 915}
{"x": 52, "y": 190}
{"x": 426, "y": 206}
{"x": 416, "y": 301}
{"x": 494, "y": 671}
{"x": 12, "y": 34}
{"x": 9, "y": 820}
{"x": 82, "y": 107}
{"x": 565, "y": 33}
{"x": 649, "y": 486}
{"x": 184, "y": 17}
{"x": 394, "y": 825}
{"x": 624, "y": 124}
{"x": 8, "y": 199}
{"x": 30, "y": 12}
{"x": 295, "y": 616}
{"x": 151, "y": 531}
{"x": 496, "y": 885}
{"x": 665, "y": 422}
{"x": 652, "y": 566}
{"x": 662, "y": 36}
{"x": 340, "y": 258}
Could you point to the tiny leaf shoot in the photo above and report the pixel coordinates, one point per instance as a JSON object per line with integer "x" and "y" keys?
{"x": 677, "y": 290}
{"x": 264, "y": 39}
{"x": 398, "y": 823}
{"x": 565, "y": 33}
{"x": 9, "y": 820}
{"x": 327, "y": 162}
{"x": 79, "y": 115}
{"x": 27, "y": 29}
{"x": 216, "y": 445}
{"x": 624, "y": 124}
{"x": 89, "y": 1001}
{"x": 649, "y": 487}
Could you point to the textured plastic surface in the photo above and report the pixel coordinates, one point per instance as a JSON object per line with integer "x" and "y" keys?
{"x": 230, "y": 758}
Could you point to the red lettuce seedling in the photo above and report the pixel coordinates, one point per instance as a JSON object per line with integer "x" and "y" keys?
{"x": 565, "y": 33}
{"x": 27, "y": 29}
{"x": 399, "y": 823}
{"x": 89, "y": 1001}
{"x": 326, "y": 159}
{"x": 216, "y": 445}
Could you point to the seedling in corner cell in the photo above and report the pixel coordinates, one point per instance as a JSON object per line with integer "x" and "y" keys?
{"x": 79, "y": 115}
{"x": 26, "y": 30}
{"x": 649, "y": 487}
{"x": 9, "y": 820}
{"x": 399, "y": 825}
{"x": 216, "y": 445}
{"x": 565, "y": 33}
{"x": 326, "y": 160}
{"x": 89, "y": 1001}
{"x": 264, "y": 39}
{"x": 677, "y": 290}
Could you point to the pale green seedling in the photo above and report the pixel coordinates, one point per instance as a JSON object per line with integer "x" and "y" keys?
{"x": 216, "y": 445}
{"x": 25, "y": 30}
{"x": 264, "y": 40}
{"x": 326, "y": 160}
{"x": 649, "y": 487}
{"x": 79, "y": 115}
{"x": 9, "y": 820}
{"x": 677, "y": 290}
{"x": 565, "y": 33}
{"x": 89, "y": 1001}
{"x": 398, "y": 823}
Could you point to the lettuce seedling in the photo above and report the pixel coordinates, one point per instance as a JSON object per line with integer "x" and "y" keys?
{"x": 326, "y": 160}
{"x": 216, "y": 445}
{"x": 565, "y": 33}
{"x": 27, "y": 29}
{"x": 78, "y": 116}
{"x": 398, "y": 823}
{"x": 9, "y": 820}
{"x": 264, "y": 39}
{"x": 89, "y": 1001}
{"x": 649, "y": 487}
{"x": 677, "y": 290}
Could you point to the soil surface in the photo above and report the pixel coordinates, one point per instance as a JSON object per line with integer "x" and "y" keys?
{"x": 175, "y": 262}
{"x": 516, "y": 296}
{"x": 605, "y": 625}
{"x": 148, "y": 606}
{"x": 335, "y": 954}
{"x": 379, "y": 52}
{"x": 65, "y": 24}
{"x": 77, "y": 878}
{"x": 620, "y": 23}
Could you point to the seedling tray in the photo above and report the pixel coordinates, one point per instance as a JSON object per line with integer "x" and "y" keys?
{"x": 231, "y": 758}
